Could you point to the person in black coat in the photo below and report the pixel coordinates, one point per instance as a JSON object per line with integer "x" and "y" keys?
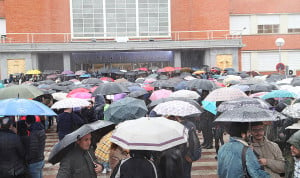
{"x": 35, "y": 147}
{"x": 12, "y": 152}
{"x": 67, "y": 122}
{"x": 99, "y": 107}
{"x": 138, "y": 166}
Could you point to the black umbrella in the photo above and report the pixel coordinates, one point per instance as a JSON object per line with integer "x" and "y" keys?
{"x": 98, "y": 129}
{"x": 263, "y": 87}
{"x": 92, "y": 81}
{"x": 137, "y": 93}
{"x": 201, "y": 84}
{"x": 110, "y": 89}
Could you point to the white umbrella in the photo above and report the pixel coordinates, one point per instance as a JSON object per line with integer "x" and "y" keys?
{"x": 185, "y": 94}
{"x": 294, "y": 126}
{"x": 59, "y": 96}
{"x": 176, "y": 108}
{"x": 225, "y": 94}
{"x": 70, "y": 103}
{"x": 149, "y": 133}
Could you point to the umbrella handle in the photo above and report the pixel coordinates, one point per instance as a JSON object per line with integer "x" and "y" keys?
{"x": 92, "y": 159}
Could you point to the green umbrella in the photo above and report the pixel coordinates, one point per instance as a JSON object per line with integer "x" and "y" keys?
{"x": 126, "y": 109}
{"x": 20, "y": 91}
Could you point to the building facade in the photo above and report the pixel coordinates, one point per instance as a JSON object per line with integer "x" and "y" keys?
{"x": 127, "y": 34}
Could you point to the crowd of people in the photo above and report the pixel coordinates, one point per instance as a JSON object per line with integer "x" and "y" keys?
{"x": 256, "y": 149}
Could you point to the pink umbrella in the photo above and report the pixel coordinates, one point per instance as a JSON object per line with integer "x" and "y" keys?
{"x": 93, "y": 88}
{"x": 158, "y": 94}
{"x": 258, "y": 95}
{"x": 53, "y": 76}
{"x": 107, "y": 79}
{"x": 81, "y": 95}
{"x": 78, "y": 90}
{"x": 148, "y": 87}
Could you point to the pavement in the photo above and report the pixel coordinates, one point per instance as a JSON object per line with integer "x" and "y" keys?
{"x": 206, "y": 167}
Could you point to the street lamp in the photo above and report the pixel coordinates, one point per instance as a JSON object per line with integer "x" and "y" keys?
{"x": 279, "y": 43}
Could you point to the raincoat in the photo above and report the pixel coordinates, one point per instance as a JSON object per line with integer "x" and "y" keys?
{"x": 230, "y": 161}
{"x": 270, "y": 151}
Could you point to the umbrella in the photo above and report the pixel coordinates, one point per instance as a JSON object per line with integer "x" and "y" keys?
{"x": 262, "y": 87}
{"x": 176, "y": 108}
{"x": 243, "y": 102}
{"x": 20, "y": 91}
{"x": 294, "y": 126}
{"x": 181, "y": 85}
{"x": 33, "y": 72}
{"x": 80, "y": 72}
{"x": 99, "y": 128}
{"x": 103, "y": 148}
{"x": 137, "y": 93}
{"x": 23, "y": 107}
{"x": 168, "y": 69}
{"x": 148, "y": 87}
{"x": 242, "y": 87}
{"x": 292, "y": 110}
{"x": 279, "y": 94}
{"x": 149, "y": 133}
{"x": 59, "y": 96}
{"x": 108, "y": 79}
{"x": 225, "y": 94}
{"x": 199, "y": 72}
{"x": 163, "y": 83}
{"x": 78, "y": 90}
{"x": 201, "y": 84}
{"x": 136, "y": 88}
{"x": 66, "y": 72}
{"x": 126, "y": 109}
{"x": 249, "y": 114}
{"x": 162, "y": 100}
{"x": 85, "y": 76}
{"x": 92, "y": 81}
{"x": 210, "y": 106}
{"x": 70, "y": 103}
{"x": 185, "y": 94}
{"x": 53, "y": 76}
{"x": 163, "y": 93}
{"x": 110, "y": 89}
{"x": 58, "y": 88}
{"x": 80, "y": 95}
{"x": 121, "y": 80}
{"x": 258, "y": 95}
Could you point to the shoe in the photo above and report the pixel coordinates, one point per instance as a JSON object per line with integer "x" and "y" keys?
{"x": 104, "y": 171}
{"x": 209, "y": 146}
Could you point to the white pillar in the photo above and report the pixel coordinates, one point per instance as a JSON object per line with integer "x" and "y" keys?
{"x": 177, "y": 59}
{"x": 3, "y": 62}
{"x": 67, "y": 61}
{"x": 34, "y": 59}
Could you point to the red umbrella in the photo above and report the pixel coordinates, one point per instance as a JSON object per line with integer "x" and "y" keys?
{"x": 108, "y": 79}
{"x": 169, "y": 69}
{"x": 93, "y": 88}
{"x": 143, "y": 69}
{"x": 148, "y": 87}
{"x": 78, "y": 90}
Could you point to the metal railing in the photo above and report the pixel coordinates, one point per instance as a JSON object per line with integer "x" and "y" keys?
{"x": 109, "y": 37}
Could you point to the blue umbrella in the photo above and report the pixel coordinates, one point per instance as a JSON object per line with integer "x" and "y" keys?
{"x": 279, "y": 94}
{"x": 210, "y": 106}
{"x": 23, "y": 107}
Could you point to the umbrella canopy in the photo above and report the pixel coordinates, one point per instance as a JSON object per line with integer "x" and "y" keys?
{"x": 249, "y": 114}
{"x": 70, "y": 103}
{"x": 292, "y": 110}
{"x": 225, "y": 94}
{"x": 23, "y": 107}
{"x": 263, "y": 87}
{"x": 149, "y": 133}
{"x": 33, "y": 72}
{"x": 162, "y": 100}
{"x": 80, "y": 95}
{"x": 110, "y": 89}
{"x": 176, "y": 108}
{"x": 92, "y": 81}
{"x": 59, "y": 96}
{"x": 137, "y": 93}
{"x": 80, "y": 72}
{"x": 78, "y": 90}
{"x": 243, "y": 102}
{"x": 294, "y": 126}
{"x": 242, "y": 87}
{"x": 66, "y": 72}
{"x": 185, "y": 94}
{"x": 279, "y": 94}
{"x": 163, "y": 93}
{"x": 52, "y": 76}
{"x": 258, "y": 95}
{"x": 20, "y": 91}
{"x": 168, "y": 69}
{"x": 126, "y": 109}
{"x": 121, "y": 80}
{"x": 201, "y": 84}
{"x": 108, "y": 79}
{"x": 100, "y": 128}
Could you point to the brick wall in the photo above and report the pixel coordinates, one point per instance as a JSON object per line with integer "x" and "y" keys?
{"x": 2, "y": 13}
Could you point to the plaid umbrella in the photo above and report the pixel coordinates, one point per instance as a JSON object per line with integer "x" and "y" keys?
{"x": 176, "y": 108}
{"x": 292, "y": 110}
{"x": 103, "y": 148}
{"x": 225, "y": 94}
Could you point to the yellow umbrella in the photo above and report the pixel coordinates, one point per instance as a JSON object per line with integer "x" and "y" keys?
{"x": 33, "y": 72}
{"x": 103, "y": 148}
{"x": 199, "y": 72}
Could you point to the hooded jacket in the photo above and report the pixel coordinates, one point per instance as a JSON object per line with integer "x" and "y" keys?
{"x": 35, "y": 143}
{"x": 270, "y": 151}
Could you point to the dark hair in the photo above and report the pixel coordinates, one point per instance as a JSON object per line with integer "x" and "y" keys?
{"x": 5, "y": 123}
{"x": 252, "y": 124}
{"x": 30, "y": 119}
{"x": 237, "y": 128}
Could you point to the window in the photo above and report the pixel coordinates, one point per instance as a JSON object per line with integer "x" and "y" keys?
{"x": 239, "y": 25}
{"x": 268, "y": 24}
{"x": 2, "y": 27}
{"x": 129, "y": 18}
{"x": 294, "y": 23}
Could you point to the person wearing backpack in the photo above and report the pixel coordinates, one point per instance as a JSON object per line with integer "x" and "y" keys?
{"x": 192, "y": 150}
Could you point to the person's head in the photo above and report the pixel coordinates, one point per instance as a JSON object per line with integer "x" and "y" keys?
{"x": 238, "y": 129}
{"x": 294, "y": 140}
{"x": 69, "y": 110}
{"x": 85, "y": 142}
{"x": 257, "y": 131}
{"x": 6, "y": 123}
{"x": 30, "y": 119}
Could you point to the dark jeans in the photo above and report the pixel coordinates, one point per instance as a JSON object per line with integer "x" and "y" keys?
{"x": 187, "y": 169}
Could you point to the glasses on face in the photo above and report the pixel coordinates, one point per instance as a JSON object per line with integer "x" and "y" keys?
{"x": 258, "y": 130}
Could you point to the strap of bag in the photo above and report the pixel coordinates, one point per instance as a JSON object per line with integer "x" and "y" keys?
{"x": 244, "y": 161}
